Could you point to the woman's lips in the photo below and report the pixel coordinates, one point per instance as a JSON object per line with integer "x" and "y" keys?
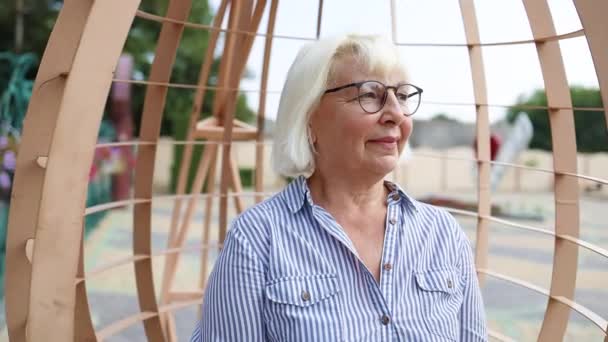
{"x": 388, "y": 143}
{"x": 385, "y": 140}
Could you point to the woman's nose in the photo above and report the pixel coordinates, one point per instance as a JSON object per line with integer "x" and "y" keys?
{"x": 392, "y": 111}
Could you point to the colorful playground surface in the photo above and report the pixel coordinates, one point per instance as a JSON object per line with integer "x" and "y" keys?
{"x": 511, "y": 310}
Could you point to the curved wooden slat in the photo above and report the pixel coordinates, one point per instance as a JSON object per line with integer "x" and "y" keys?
{"x": 467, "y": 9}
{"x": 177, "y": 219}
{"x": 499, "y": 337}
{"x": 592, "y": 16}
{"x": 182, "y": 296}
{"x": 512, "y": 165}
{"x": 566, "y": 189}
{"x": 521, "y": 226}
{"x": 131, "y": 259}
{"x": 590, "y": 178}
{"x": 125, "y": 143}
{"x": 430, "y": 102}
{"x": 179, "y": 305}
{"x": 83, "y": 325}
{"x": 591, "y": 247}
{"x": 259, "y": 150}
{"x": 112, "y": 205}
{"x": 243, "y": 17}
{"x": 161, "y": 19}
{"x": 191, "y": 86}
{"x": 109, "y": 266}
{"x": 581, "y": 243}
{"x": 87, "y": 54}
{"x": 118, "y": 326}
{"x": 517, "y": 105}
{"x": 36, "y": 138}
{"x": 183, "y": 142}
{"x": 596, "y": 319}
{"x": 197, "y": 107}
{"x": 154, "y": 105}
{"x": 204, "y": 196}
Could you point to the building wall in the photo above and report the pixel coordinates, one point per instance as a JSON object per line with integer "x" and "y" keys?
{"x": 430, "y": 170}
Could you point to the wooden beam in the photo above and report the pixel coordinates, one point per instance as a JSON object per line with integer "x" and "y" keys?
{"x": 154, "y": 105}
{"x": 467, "y": 7}
{"x": 566, "y": 190}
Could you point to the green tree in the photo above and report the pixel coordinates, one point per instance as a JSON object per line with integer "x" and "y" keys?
{"x": 142, "y": 45}
{"x": 39, "y": 19}
{"x": 40, "y": 16}
{"x": 443, "y": 117}
{"x": 590, "y": 126}
{"x": 188, "y": 61}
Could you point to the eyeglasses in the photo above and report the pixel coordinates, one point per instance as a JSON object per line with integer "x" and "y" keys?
{"x": 372, "y": 96}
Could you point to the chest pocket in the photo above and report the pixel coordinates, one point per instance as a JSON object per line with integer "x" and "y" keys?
{"x": 301, "y": 307}
{"x": 442, "y": 294}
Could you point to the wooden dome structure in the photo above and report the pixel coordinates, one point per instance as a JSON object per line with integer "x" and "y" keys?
{"x": 46, "y": 290}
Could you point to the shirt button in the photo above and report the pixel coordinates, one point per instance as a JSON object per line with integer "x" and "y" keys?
{"x": 385, "y": 320}
{"x": 396, "y": 197}
{"x": 450, "y": 284}
{"x": 388, "y": 266}
{"x": 305, "y": 296}
{"x": 392, "y": 220}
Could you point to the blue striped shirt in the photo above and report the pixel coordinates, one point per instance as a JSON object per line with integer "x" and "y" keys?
{"x": 289, "y": 272}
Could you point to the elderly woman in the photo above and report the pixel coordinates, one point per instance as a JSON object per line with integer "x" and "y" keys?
{"x": 341, "y": 253}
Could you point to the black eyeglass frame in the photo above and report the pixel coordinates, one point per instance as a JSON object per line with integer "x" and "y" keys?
{"x": 359, "y": 84}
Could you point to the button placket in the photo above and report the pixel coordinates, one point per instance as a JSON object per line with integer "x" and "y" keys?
{"x": 388, "y": 257}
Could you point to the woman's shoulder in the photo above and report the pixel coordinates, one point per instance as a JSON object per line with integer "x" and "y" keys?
{"x": 261, "y": 217}
{"x": 256, "y": 226}
{"x": 440, "y": 218}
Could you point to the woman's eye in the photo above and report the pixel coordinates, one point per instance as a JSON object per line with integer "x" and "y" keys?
{"x": 368, "y": 95}
{"x": 402, "y": 96}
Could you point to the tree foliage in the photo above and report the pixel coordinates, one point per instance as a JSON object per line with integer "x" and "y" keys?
{"x": 188, "y": 61}
{"x": 141, "y": 44}
{"x": 40, "y": 16}
{"x": 590, "y": 126}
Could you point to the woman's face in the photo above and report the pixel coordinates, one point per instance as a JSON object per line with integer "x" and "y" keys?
{"x": 349, "y": 140}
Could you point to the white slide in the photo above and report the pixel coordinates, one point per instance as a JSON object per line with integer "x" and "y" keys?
{"x": 515, "y": 142}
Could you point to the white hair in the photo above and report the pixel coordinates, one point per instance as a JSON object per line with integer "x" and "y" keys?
{"x": 307, "y": 79}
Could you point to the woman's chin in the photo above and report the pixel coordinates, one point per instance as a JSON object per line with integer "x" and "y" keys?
{"x": 385, "y": 164}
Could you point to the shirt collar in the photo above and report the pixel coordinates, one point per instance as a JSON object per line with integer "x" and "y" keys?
{"x": 405, "y": 199}
{"x": 297, "y": 193}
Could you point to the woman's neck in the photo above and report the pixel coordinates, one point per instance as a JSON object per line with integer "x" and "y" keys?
{"x": 340, "y": 192}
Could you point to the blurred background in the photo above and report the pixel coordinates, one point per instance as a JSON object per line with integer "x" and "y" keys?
{"x": 438, "y": 165}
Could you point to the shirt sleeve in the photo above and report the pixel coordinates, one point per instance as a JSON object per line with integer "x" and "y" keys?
{"x": 233, "y": 301}
{"x": 472, "y": 314}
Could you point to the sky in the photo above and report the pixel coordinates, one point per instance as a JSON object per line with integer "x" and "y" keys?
{"x": 443, "y": 72}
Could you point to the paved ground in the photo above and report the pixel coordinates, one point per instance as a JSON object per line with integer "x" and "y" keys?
{"x": 512, "y": 310}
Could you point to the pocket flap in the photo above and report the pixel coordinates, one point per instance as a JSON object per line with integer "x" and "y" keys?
{"x": 438, "y": 280}
{"x": 302, "y": 290}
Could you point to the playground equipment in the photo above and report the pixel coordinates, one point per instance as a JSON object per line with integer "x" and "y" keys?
{"x": 46, "y": 287}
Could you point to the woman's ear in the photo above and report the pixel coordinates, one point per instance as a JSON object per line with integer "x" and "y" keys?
{"x": 312, "y": 138}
